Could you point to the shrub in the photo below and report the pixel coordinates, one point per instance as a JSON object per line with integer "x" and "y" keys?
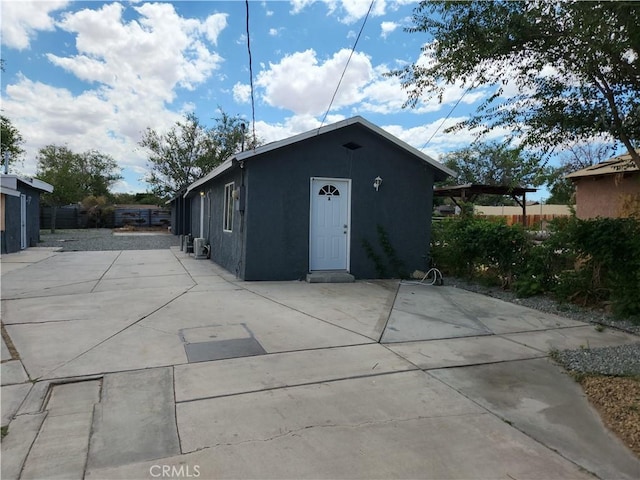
{"x": 479, "y": 248}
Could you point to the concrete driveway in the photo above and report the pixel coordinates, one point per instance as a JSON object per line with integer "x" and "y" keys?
{"x": 151, "y": 364}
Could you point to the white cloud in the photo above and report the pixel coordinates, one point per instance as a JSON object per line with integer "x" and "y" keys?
{"x": 241, "y": 92}
{"x": 351, "y": 10}
{"x": 274, "y": 32}
{"x": 303, "y": 85}
{"x": 213, "y": 25}
{"x": 21, "y": 21}
{"x": 387, "y": 28}
{"x": 132, "y": 71}
{"x": 272, "y": 132}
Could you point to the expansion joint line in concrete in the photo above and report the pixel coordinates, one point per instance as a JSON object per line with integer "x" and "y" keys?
{"x": 389, "y": 311}
{"x": 106, "y": 271}
{"x": 175, "y": 407}
{"x": 302, "y": 384}
{"x": 33, "y": 442}
{"x": 511, "y": 424}
{"x": 119, "y": 332}
{"x": 289, "y": 307}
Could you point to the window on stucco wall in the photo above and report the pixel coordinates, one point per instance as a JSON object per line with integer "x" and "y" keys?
{"x": 228, "y": 207}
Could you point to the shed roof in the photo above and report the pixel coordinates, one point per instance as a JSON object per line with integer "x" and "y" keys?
{"x": 469, "y": 190}
{"x": 9, "y": 184}
{"x": 357, "y": 120}
{"x": 619, "y": 164}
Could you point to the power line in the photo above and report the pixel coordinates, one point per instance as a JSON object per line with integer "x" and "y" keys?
{"x": 347, "y": 64}
{"x": 446, "y": 118}
{"x": 253, "y": 108}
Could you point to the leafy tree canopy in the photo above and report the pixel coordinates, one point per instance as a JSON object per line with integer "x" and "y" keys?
{"x": 11, "y": 141}
{"x": 575, "y": 66}
{"x": 189, "y": 150}
{"x": 494, "y": 164}
{"x": 75, "y": 176}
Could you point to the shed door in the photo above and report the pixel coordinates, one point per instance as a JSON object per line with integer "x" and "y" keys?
{"x": 23, "y": 221}
{"x": 329, "y": 224}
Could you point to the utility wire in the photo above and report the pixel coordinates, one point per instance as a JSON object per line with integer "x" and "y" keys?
{"x": 253, "y": 108}
{"x": 347, "y": 64}
{"x": 446, "y": 118}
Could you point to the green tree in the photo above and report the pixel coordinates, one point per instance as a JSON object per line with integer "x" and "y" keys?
{"x": 494, "y": 164}
{"x": 189, "y": 150}
{"x": 11, "y": 141}
{"x": 74, "y": 176}
{"x": 576, "y": 66}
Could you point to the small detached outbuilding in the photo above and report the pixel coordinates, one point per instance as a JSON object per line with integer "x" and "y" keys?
{"x": 345, "y": 198}
{"x": 20, "y": 211}
{"x": 603, "y": 189}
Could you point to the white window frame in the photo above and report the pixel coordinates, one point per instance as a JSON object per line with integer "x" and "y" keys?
{"x": 227, "y": 215}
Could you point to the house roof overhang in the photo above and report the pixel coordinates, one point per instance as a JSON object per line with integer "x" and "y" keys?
{"x": 441, "y": 171}
{"x": 616, "y": 165}
{"x": 9, "y": 184}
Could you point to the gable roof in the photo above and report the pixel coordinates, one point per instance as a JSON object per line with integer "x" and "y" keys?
{"x": 357, "y": 120}
{"x": 619, "y": 164}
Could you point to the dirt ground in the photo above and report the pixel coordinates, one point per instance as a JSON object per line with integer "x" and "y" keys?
{"x": 618, "y": 401}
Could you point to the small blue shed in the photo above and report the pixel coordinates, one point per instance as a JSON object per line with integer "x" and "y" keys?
{"x": 347, "y": 197}
{"x": 20, "y": 211}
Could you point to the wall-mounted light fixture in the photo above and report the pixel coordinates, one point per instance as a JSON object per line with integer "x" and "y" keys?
{"x": 376, "y": 183}
{"x": 201, "y": 193}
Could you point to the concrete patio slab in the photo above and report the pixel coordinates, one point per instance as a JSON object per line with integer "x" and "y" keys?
{"x": 12, "y": 372}
{"x": 12, "y": 398}
{"x": 121, "y": 306}
{"x": 362, "y": 307}
{"x": 135, "y": 348}
{"x": 585, "y": 336}
{"x": 6, "y": 354}
{"x": 135, "y": 420}
{"x": 452, "y": 447}
{"x": 407, "y": 327}
{"x": 182, "y": 280}
{"x": 60, "y": 450}
{"x": 29, "y": 256}
{"x": 16, "y": 445}
{"x": 75, "y": 397}
{"x": 395, "y": 397}
{"x": 539, "y": 399}
{"x": 462, "y": 351}
{"x": 277, "y": 327}
{"x": 252, "y": 374}
{"x": 46, "y": 346}
{"x": 430, "y": 312}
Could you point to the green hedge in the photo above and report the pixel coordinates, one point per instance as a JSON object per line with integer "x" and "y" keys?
{"x": 592, "y": 262}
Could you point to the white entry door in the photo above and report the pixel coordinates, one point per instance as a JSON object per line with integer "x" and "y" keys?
{"x": 329, "y": 224}
{"x": 23, "y": 221}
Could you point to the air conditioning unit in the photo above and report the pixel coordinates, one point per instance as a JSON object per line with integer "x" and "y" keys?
{"x": 200, "y": 248}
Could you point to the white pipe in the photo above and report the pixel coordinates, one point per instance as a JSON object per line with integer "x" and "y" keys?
{"x": 201, "y": 216}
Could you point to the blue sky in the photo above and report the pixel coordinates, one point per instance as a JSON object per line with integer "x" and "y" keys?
{"x": 95, "y": 75}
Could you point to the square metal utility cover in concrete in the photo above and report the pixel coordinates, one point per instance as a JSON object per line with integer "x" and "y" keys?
{"x": 221, "y": 349}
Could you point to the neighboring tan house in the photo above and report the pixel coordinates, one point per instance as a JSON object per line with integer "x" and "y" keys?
{"x": 602, "y": 189}
{"x": 20, "y": 211}
{"x": 315, "y": 203}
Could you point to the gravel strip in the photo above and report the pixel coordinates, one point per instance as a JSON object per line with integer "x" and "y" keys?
{"x": 104, "y": 239}
{"x": 621, "y": 360}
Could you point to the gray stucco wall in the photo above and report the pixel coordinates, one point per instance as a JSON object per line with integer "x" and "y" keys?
{"x": 278, "y": 201}
{"x": 226, "y": 247}
{"x": 11, "y": 234}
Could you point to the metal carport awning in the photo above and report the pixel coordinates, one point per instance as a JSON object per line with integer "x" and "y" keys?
{"x": 470, "y": 191}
